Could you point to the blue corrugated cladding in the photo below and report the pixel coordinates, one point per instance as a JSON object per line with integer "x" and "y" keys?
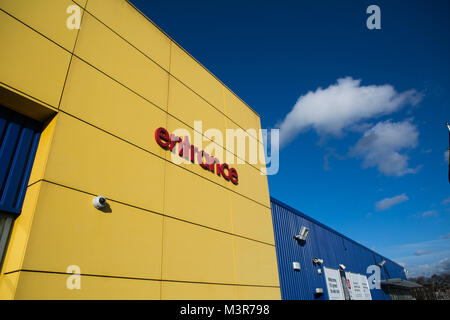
{"x": 19, "y": 138}
{"x": 324, "y": 243}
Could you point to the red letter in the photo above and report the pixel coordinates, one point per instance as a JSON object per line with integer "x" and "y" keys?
{"x": 193, "y": 152}
{"x": 213, "y": 160}
{"x": 173, "y": 141}
{"x": 222, "y": 170}
{"x": 200, "y": 155}
{"x": 234, "y": 176}
{"x": 183, "y": 148}
{"x": 162, "y": 138}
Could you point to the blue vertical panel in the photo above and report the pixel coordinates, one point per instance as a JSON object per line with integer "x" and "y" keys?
{"x": 384, "y": 275}
{"x": 324, "y": 243}
{"x": 394, "y": 270}
{"x": 19, "y": 138}
{"x": 357, "y": 258}
{"x": 296, "y": 285}
{"x": 330, "y": 251}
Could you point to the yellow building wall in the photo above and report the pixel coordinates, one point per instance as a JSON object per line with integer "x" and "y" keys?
{"x": 172, "y": 231}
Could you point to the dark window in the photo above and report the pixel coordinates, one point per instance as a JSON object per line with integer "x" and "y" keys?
{"x": 6, "y": 223}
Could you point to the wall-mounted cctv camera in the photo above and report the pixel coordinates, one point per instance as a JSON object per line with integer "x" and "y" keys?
{"x": 317, "y": 261}
{"x": 342, "y": 266}
{"x": 99, "y": 202}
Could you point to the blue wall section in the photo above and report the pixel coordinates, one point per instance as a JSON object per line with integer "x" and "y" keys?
{"x": 19, "y": 138}
{"x": 324, "y": 243}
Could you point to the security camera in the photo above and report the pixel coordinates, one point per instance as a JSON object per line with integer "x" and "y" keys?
{"x": 99, "y": 202}
{"x": 342, "y": 266}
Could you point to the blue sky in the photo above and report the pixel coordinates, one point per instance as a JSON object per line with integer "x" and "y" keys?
{"x": 273, "y": 53}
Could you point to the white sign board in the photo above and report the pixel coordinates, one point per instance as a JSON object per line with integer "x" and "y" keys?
{"x": 334, "y": 284}
{"x": 365, "y": 287}
{"x": 354, "y": 286}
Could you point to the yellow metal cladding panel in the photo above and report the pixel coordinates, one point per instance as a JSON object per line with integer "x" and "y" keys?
{"x": 8, "y": 284}
{"x": 195, "y": 199}
{"x": 190, "y": 72}
{"x": 52, "y": 286}
{"x": 202, "y": 143}
{"x": 40, "y": 160}
{"x": 47, "y": 17}
{"x": 252, "y": 183}
{"x": 31, "y": 63}
{"x": 197, "y": 291}
{"x": 251, "y": 219}
{"x": 247, "y": 174}
{"x": 240, "y": 113}
{"x": 188, "y": 107}
{"x": 244, "y": 146}
{"x": 81, "y": 3}
{"x": 120, "y": 241}
{"x": 91, "y": 160}
{"x": 197, "y": 254}
{"x": 105, "y": 50}
{"x": 130, "y": 24}
{"x": 97, "y": 99}
{"x": 258, "y": 293}
{"x": 21, "y": 231}
{"x": 25, "y": 105}
{"x": 256, "y": 263}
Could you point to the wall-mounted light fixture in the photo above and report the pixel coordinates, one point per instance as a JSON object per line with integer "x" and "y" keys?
{"x": 382, "y": 263}
{"x": 303, "y": 234}
{"x": 317, "y": 261}
{"x": 296, "y": 266}
{"x": 342, "y": 266}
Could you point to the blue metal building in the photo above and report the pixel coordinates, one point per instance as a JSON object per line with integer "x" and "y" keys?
{"x": 19, "y": 139}
{"x": 300, "y": 276}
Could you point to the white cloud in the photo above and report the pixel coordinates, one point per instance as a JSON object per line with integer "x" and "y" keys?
{"x": 342, "y": 105}
{"x": 429, "y": 213}
{"x": 446, "y": 201}
{"x": 421, "y": 252}
{"x": 427, "y": 270}
{"x": 389, "y": 202}
{"x": 381, "y": 147}
{"x": 445, "y": 236}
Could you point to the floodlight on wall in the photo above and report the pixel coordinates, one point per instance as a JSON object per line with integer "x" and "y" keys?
{"x": 318, "y": 291}
{"x": 296, "y": 266}
{"x": 342, "y": 266}
{"x": 382, "y": 263}
{"x": 317, "y": 261}
{"x": 406, "y": 272}
{"x": 303, "y": 234}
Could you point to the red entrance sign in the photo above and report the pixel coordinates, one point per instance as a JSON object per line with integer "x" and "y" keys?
{"x": 190, "y": 152}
